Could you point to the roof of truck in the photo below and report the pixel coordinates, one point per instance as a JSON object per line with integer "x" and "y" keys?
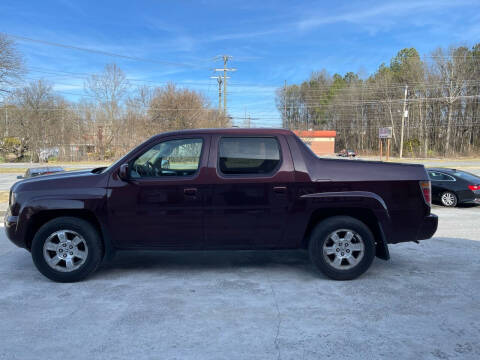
{"x": 231, "y": 131}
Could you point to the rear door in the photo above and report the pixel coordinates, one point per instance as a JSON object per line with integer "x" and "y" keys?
{"x": 251, "y": 194}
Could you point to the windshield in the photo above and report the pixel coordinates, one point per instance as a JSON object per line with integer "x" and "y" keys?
{"x": 121, "y": 159}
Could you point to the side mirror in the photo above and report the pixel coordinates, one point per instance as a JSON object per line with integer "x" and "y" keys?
{"x": 123, "y": 172}
{"x": 19, "y": 177}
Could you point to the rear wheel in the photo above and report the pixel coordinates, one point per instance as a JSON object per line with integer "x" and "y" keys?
{"x": 342, "y": 247}
{"x": 67, "y": 249}
{"x": 449, "y": 199}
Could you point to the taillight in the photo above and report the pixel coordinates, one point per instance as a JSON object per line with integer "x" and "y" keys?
{"x": 474, "y": 187}
{"x": 426, "y": 191}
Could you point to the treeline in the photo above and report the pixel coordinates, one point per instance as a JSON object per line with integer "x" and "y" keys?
{"x": 112, "y": 117}
{"x": 442, "y": 100}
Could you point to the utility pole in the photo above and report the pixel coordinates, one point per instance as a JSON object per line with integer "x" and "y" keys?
{"x": 6, "y": 119}
{"x": 404, "y": 115}
{"x": 219, "y": 81}
{"x": 247, "y": 122}
{"x": 285, "y": 104}
{"x": 225, "y": 59}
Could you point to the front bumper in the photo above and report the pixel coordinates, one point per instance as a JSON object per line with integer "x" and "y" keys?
{"x": 11, "y": 224}
{"x": 428, "y": 227}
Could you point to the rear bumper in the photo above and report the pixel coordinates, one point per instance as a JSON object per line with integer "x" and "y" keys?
{"x": 428, "y": 227}
{"x": 475, "y": 199}
{"x": 469, "y": 197}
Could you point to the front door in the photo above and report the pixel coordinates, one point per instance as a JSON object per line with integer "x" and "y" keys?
{"x": 251, "y": 192}
{"x": 161, "y": 205}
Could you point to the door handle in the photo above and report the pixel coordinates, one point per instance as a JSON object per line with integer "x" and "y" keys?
{"x": 280, "y": 189}
{"x": 190, "y": 191}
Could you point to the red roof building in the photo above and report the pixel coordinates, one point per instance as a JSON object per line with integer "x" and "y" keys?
{"x": 322, "y": 142}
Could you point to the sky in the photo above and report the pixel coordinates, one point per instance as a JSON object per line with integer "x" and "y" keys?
{"x": 271, "y": 42}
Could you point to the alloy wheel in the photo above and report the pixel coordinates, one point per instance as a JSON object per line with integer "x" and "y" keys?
{"x": 343, "y": 249}
{"x": 65, "y": 250}
{"x": 448, "y": 199}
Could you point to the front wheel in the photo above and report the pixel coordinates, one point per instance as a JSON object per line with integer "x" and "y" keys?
{"x": 449, "y": 199}
{"x": 67, "y": 249}
{"x": 342, "y": 247}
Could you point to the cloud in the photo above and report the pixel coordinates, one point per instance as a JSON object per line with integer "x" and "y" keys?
{"x": 380, "y": 13}
{"x": 67, "y": 87}
{"x": 242, "y": 35}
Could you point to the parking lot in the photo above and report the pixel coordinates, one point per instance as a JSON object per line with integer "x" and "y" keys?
{"x": 422, "y": 304}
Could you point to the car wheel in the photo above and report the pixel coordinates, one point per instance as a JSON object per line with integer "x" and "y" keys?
{"x": 67, "y": 249}
{"x": 449, "y": 199}
{"x": 342, "y": 247}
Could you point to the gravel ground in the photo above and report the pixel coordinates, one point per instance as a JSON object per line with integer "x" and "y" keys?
{"x": 422, "y": 304}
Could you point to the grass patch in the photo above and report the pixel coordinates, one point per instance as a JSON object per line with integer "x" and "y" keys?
{"x": 4, "y": 196}
{"x": 12, "y": 170}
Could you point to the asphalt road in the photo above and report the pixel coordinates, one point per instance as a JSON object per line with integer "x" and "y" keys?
{"x": 422, "y": 304}
{"x": 7, "y": 180}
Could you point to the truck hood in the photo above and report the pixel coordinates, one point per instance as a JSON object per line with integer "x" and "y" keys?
{"x": 67, "y": 179}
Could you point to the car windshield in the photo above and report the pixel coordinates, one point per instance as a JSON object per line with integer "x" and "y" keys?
{"x": 474, "y": 179}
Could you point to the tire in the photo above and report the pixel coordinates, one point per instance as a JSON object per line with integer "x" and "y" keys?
{"x": 72, "y": 245}
{"x": 354, "y": 243}
{"x": 449, "y": 199}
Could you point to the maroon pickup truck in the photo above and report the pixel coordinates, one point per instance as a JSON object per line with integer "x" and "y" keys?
{"x": 221, "y": 189}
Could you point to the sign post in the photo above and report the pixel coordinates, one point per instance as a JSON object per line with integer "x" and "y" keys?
{"x": 385, "y": 133}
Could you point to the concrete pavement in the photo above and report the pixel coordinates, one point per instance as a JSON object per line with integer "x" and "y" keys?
{"x": 422, "y": 304}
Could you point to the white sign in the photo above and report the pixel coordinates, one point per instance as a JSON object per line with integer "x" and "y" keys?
{"x": 385, "y": 133}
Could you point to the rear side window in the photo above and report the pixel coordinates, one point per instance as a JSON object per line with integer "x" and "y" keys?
{"x": 438, "y": 176}
{"x": 248, "y": 155}
{"x": 467, "y": 176}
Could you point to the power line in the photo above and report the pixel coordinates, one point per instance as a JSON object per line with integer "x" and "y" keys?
{"x": 101, "y": 52}
{"x": 77, "y": 75}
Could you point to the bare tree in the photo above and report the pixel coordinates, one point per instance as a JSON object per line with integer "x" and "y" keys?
{"x": 452, "y": 69}
{"x": 11, "y": 63}
{"x": 173, "y": 108}
{"x": 37, "y": 121}
{"x": 109, "y": 89}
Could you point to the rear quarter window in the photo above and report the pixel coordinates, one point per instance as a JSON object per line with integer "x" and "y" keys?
{"x": 468, "y": 177}
{"x": 248, "y": 155}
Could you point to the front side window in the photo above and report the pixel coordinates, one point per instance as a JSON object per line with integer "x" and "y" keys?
{"x": 248, "y": 155}
{"x": 169, "y": 158}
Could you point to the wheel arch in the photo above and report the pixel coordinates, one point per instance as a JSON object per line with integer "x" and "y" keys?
{"x": 42, "y": 217}
{"x": 365, "y": 215}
